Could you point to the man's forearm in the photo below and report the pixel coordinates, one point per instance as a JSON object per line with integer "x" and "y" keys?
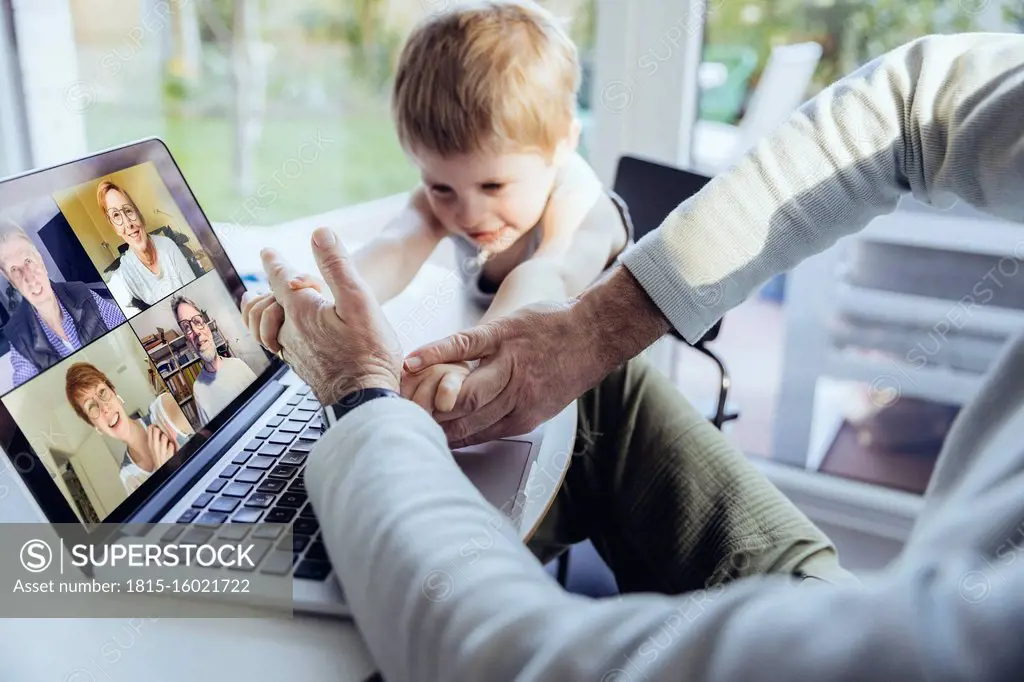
{"x": 620, "y": 317}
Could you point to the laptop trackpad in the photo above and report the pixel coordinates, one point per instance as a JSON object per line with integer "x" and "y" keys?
{"x": 497, "y": 469}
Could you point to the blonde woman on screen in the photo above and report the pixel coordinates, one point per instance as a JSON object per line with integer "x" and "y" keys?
{"x": 153, "y": 267}
{"x": 149, "y": 442}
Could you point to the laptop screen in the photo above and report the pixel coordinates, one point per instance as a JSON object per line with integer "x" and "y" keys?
{"x": 122, "y": 347}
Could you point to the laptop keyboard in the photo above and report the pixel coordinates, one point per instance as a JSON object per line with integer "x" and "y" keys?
{"x": 264, "y": 484}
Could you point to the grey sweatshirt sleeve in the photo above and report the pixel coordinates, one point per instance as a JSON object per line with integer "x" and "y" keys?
{"x": 442, "y": 589}
{"x": 938, "y": 117}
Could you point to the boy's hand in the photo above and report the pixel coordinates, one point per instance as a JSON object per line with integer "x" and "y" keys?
{"x": 263, "y": 315}
{"x": 436, "y": 388}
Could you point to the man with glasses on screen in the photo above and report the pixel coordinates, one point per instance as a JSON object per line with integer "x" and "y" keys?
{"x": 222, "y": 379}
{"x": 153, "y": 267}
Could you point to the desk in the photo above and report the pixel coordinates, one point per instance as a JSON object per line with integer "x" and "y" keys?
{"x": 305, "y": 648}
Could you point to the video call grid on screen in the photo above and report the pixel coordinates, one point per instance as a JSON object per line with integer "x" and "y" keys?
{"x": 126, "y": 367}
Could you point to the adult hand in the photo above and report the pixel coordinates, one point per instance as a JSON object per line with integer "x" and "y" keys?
{"x": 337, "y": 347}
{"x": 537, "y": 360}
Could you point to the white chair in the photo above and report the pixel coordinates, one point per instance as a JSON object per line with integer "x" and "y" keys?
{"x": 781, "y": 89}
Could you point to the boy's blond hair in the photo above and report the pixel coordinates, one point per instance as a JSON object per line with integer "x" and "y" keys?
{"x": 486, "y": 75}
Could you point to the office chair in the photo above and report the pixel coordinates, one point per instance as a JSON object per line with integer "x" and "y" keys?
{"x": 651, "y": 191}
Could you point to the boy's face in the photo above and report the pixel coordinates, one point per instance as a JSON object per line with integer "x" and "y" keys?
{"x": 490, "y": 198}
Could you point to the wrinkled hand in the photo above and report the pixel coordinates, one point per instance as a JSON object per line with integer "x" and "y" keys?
{"x": 436, "y": 388}
{"x": 532, "y": 364}
{"x": 161, "y": 445}
{"x": 263, "y": 315}
{"x": 537, "y": 360}
{"x": 337, "y": 347}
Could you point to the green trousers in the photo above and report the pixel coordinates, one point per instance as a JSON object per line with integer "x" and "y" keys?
{"x": 669, "y": 503}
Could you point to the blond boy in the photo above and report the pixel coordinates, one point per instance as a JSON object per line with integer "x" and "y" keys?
{"x": 484, "y": 104}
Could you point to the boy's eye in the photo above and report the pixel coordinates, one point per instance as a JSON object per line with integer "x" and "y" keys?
{"x": 492, "y": 186}
{"x": 440, "y": 189}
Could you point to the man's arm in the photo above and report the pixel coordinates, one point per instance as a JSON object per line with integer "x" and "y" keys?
{"x": 442, "y": 588}
{"x": 391, "y": 260}
{"x": 939, "y": 117}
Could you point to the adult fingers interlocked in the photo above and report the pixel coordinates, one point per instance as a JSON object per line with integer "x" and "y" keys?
{"x": 338, "y": 346}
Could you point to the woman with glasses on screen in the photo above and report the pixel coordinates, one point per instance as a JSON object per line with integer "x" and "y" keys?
{"x": 150, "y": 441}
{"x": 153, "y": 267}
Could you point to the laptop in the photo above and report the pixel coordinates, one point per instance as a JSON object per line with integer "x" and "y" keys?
{"x": 153, "y": 341}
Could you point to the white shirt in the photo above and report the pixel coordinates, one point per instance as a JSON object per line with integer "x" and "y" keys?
{"x": 440, "y": 591}
{"x": 135, "y": 279}
{"x": 215, "y": 391}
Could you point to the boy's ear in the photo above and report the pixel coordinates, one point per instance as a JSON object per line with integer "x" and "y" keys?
{"x": 568, "y": 146}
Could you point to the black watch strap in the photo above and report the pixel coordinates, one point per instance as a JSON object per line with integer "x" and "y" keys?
{"x": 333, "y": 413}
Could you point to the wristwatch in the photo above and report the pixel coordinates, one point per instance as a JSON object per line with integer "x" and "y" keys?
{"x": 332, "y": 413}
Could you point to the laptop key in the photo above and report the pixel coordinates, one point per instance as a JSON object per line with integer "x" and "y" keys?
{"x": 304, "y": 390}
{"x": 242, "y": 457}
{"x": 307, "y": 512}
{"x": 275, "y": 422}
{"x": 268, "y": 531}
{"x": 302, "y": 416}
{"x": 283, "y": 471}
{"x": 297, "y": 544}
{"x": 233, "y": 531}
{"x": 202, "y": 500}
{"x": 265, "y": 433}
{"x": 195, "y": 536}
{"x": 271, "y": 485}
{"x": 292, "y": 426}
{"x": 295, "y": 400}
{"x": 293, "y": 458}
{"x": 281, "y": 437}
{"x": 278, "y": 563}
{"x": 313, "y": 570}
{"x": 237, "y": 489}
{"x": 317, "y": 550}
{"x": 248, "y": 476}
{"x": 188, "y": 515}
{"x": 293, "y": 500}
{"x": 172, "y": 534}
{"x": 257, "y": 550}
{"x": 311, "y": 434}
{"x": 216, "y": 485}
{"x": 229, "y": 471}
{"x": 303, "y": 446}
{"x": 247, "y": 515}
{"x": 285, "y": 411}
{"x": 260, "y": 500}
{"x": 225, "y": 504}
{"x": 261, "y": 462}
{"x": 280, "y": 515}
{"x": 253, "y": 445}
{"x": 211, "y": 518}
{"x": 304, "y": 526}
{"x": 272, "y": 450}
